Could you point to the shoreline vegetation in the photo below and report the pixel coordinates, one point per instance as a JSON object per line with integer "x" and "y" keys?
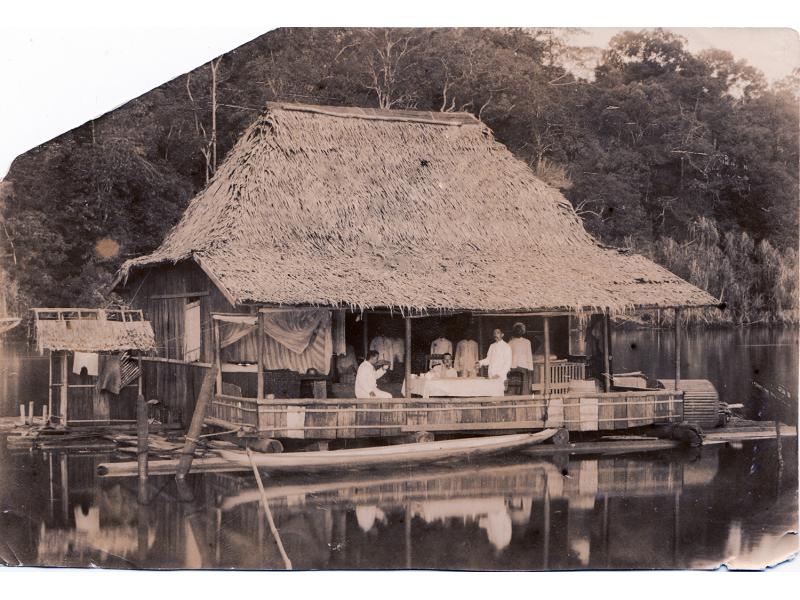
{"x": 690, "y": 159}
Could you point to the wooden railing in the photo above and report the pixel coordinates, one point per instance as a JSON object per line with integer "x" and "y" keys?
{"x": 233, "y": 411}
{"x": 336, "y": 418}
{"x": 561, "y": 373}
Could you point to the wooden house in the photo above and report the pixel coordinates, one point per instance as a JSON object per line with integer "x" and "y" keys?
{"x": 356, "y": 221}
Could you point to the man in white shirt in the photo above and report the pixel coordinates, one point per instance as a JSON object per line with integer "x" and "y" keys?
{"x": 498, "y": 358}
{"x": 367, "y": 378}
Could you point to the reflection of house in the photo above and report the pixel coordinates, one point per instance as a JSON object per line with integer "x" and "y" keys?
{"x": 325, "y": 223}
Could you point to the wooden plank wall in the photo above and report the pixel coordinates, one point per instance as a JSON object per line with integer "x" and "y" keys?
{"x": 146, "y": 291}
{"x": 175, "y": 385}
{"x": 85, "y": 403}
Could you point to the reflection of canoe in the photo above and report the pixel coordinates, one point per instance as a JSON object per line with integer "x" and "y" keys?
{"x": 403, "y": 454}
{"x": 395, "y": 487}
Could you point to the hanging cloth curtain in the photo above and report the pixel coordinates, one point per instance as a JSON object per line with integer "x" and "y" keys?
{"x": 296, "y": 340}
{"x": 295, "y": 329}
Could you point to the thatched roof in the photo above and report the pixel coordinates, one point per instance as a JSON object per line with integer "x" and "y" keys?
{"x": 414, "y": 210}
{"x": 91, "y": 330}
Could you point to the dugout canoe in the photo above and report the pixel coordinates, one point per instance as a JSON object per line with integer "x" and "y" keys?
{"x": 384, "y": 456}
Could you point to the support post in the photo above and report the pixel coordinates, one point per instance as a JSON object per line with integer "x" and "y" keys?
{"x": 260, "y": 346}
{"x": 677, "y": 348}
{"x": 64, "y": 388}
{"x": 546, "y": 378}
{"x": 408, "y": 358}
{"x": 141, "y": 446}
{"x": 365, "y": 332}
{"x": 30, "y": 412}
{"x": 141, "y": 438}
{"x": 480, "y": 336}
{"x": 606, "y": 356}
{"x": 609, "y": 350}
{"x": 49, "y": 384}
{"x": 217, "y": 358}
{"x": 196, "y": 426}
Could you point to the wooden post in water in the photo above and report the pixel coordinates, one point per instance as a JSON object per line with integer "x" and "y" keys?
{"x": 62, "y": 460}
{"x": 606, "y": 357}
{"x": 196, "y": 426}
{"x": 546, "y": 378}
{"x": 677, "y": 348}
{"x": 260, "y": 346}
{"x": 141, "y": 438}
{"x": 49, "y": 383}
{"x": 30, "y": 412}
{"x": 408, "y": 358}
{"x": 64, "y": 388}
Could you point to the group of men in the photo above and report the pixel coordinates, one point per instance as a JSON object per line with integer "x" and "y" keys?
{"x": 500, "y": 359}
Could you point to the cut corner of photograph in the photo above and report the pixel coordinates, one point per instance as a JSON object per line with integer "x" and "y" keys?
{"x": 455, "y": 299}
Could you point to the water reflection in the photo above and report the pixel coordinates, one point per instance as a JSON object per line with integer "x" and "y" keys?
{"x": 667, "y": 510}
{"x": 674, "y": 509}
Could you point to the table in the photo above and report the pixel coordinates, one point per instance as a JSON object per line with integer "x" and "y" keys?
{"x": 459, "y": 387}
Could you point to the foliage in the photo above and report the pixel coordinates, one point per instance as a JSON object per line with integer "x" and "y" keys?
{"x": 691, "y": 158}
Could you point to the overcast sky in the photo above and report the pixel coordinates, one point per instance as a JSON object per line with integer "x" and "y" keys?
{"x": 64, "y": 63}
{"x": 775, "y": 52}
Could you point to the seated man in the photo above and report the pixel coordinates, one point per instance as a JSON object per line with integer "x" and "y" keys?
{"x": 367, "y": 377}
{"x": 444, "y": 369}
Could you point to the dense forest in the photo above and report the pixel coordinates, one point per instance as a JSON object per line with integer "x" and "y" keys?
{"x": 689, "y": 158}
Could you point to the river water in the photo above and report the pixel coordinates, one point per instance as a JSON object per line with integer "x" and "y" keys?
{"x": 699, "y": 508}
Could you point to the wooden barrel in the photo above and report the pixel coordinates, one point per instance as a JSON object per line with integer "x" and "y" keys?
{"x": 700, "y": 401}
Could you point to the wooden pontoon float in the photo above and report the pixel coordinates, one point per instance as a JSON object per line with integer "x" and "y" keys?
{"x": 327, "y": 226}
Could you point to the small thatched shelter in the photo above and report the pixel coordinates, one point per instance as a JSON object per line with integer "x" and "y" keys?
{"x": 92, "y": 330}
{"x": 93, "y": 356}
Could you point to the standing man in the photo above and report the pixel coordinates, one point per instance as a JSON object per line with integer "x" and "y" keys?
{"x": 368, "y": 375}
{"x": 498, "y": 358}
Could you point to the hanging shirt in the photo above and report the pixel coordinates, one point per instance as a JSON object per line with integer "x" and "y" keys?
{"x": 384, "y": 346}
{"x": 441, "y": 346}
{"x": 367, "y": 379}
{"x": 85, "y": 359}
{"x": 521, "y": 353}
{"x": 466, "y": 357}
{"x": 499, "y": 359}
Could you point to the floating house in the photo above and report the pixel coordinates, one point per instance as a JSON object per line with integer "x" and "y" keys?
{"x": 326, "y": 227}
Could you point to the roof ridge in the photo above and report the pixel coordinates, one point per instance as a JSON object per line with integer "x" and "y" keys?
{"x": 453, "y": 119}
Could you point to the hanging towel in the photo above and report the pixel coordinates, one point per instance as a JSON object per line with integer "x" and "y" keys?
{"x": 109, "y": 377}
{"x": 87, "y": 360}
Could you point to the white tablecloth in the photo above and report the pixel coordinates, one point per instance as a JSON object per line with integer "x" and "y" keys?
{"x": 456, "y": 386}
